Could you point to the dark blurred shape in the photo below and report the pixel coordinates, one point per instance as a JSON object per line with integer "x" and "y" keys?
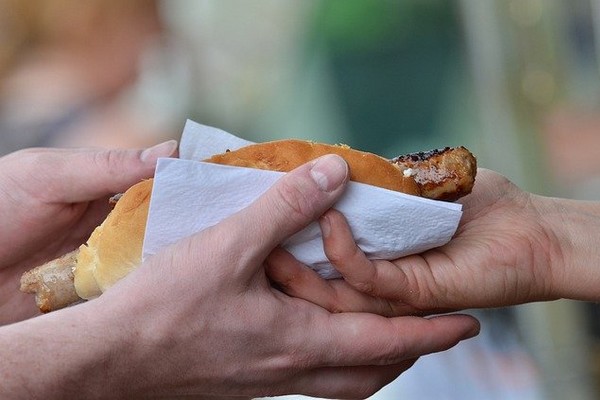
{"x": 391, "y": 62}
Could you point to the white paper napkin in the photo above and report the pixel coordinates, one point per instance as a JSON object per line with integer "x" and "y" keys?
{"x": 189, "y": 196}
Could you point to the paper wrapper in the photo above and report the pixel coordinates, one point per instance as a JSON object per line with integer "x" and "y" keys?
{"x": 190, "y": 196}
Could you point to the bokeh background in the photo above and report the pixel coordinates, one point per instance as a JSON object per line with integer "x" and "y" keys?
{"x": 516, "y": 81}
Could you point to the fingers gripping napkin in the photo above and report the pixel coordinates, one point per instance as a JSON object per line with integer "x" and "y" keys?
{"x": 189, "y": 196}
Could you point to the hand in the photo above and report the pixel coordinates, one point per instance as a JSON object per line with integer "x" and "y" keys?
{"x": 201, "y": 318}
{"x": 51, "y": 201}
{"x": 507, "y": 250}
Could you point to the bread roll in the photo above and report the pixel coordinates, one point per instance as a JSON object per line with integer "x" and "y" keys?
{"x": 115, "y": 247}
{"x": 285, "y": 155}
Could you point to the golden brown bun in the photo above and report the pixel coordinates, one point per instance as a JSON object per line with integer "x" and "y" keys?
{"x": 285, "y": 155}
{"x": 115, "y": 247}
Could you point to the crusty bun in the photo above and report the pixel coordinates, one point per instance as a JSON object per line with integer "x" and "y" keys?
{"x": 285, "y": 155}
{"x": 115, "y": 247}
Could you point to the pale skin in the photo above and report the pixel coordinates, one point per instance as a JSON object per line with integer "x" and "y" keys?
{"x": 511, "y": 247}
{"x": 51, "y": 200}
{"x": 199, "y": 319}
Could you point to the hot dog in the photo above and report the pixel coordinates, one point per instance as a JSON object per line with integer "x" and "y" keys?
{"x": 114, "y": 248}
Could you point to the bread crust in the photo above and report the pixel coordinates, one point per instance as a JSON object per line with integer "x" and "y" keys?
{"x": 285, "y": 155}
{"x": 115, "y": 247}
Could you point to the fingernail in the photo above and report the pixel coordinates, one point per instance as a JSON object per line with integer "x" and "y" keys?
{"x": 325, "y": 225}
{"x": 474, "y": 331}
{"x": 329, "y": 172}
{"x": 164, "y": 149}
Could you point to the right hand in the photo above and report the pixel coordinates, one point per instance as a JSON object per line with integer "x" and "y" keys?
{"x": 204, "y": 320}
{"x": 511, "y": 247}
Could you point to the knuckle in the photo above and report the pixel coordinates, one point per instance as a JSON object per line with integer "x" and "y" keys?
{"x": 350, "y": 257}
{"x": 335, "y": 306}
{"x": 365, "y": 283}
{"x": 293, "y": 201}
{"x": 421, "y": 289}
{"x": 296, "y": 354}
{"x": 337, "y": 256}
{"x": 427, "y": 292}
{"x": 392, "y": 352}
{"x": 107, "y": 160}
{"x": 367, "y": 287}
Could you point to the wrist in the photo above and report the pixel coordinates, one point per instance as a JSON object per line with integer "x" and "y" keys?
{"x": 572, "y": 227}
{"x": 65, "y": 354}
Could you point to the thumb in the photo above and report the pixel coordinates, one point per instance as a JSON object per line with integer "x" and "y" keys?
{"x": 77, "y": 175}
{"x": 115, "y": 170}
{"x": 296, "y": 200}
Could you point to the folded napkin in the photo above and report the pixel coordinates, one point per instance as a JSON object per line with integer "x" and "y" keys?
{"x": 189, "y": 196}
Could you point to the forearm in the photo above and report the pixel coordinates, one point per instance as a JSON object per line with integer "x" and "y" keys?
{"x": 65, "y": 354}
{"x": 575, "y": 226}
{"x": 90, "y": 351}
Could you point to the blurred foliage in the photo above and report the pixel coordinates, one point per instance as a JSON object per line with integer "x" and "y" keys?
{"x": 390, "y": 63}
{"x": 354, "y": 25}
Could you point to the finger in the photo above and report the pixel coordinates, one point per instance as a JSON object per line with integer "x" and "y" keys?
{"x": 376, "y": 278}
{"x": 335, "y": 295}
{"x": 366, "y": 339}
{"x": 346, "y": 382}
{"x": 297, "y": 280}
{"x": 72, "y": 176}
{"x": 295, "y": 200}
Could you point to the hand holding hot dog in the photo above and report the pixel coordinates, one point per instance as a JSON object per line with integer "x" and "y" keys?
{"x": 511, "y": 247}
{"x": 201, "y": 319}
{"x": 114, "y": 248}
{"x": 52, "y": 200}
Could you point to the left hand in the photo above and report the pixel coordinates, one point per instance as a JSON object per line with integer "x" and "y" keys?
{"x": 51, "y": 200}
{"x": 200, "y": 318}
